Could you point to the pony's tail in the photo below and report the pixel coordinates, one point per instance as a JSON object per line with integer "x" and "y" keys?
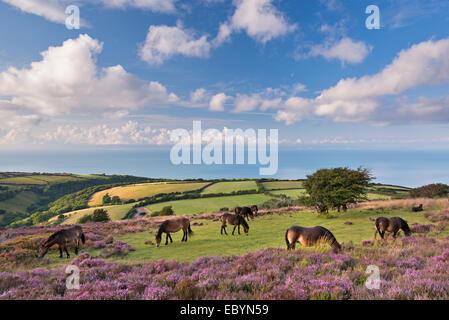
{"x": 190, "y": 231}
{"x": 83, "y": 238}
{"x": 286, "y": 239}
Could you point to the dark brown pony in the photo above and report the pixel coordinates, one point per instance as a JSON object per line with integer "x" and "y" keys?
{"x": 247, "y": 212}
{"x": 64, "y": 238}
{"x": 418, "y": 208}
{"x": 310, "y": 237}
{"x": 234, "y": 219}
{"x": 173, "y": 225}
{"x": 393, "y": 225}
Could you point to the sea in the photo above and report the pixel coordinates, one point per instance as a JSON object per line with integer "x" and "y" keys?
{"x": 409, "y": 168}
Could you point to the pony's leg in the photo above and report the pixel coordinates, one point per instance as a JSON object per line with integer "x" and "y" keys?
{"x": 67, "y": 252}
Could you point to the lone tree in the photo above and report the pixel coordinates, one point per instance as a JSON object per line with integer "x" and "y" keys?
{"x": 336, "y": 188}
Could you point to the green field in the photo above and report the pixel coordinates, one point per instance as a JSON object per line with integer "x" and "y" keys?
{"x": 290, "y": 193}
{"x": 115, "y": 213}
{"x": 138, "y": 191}
{"x": 281, "y": 185}
{"x": 194, "y": 206}
{"x": 229, "y": 187}
{"x": 265, "y": 232}
{"x": 38, "y": 179}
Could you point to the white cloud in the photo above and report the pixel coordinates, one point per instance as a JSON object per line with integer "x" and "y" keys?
{"x": 218, "y": 101}
{"x": 357, "y": 99}
{"x": 164, "y": 42}
{"x": 130, "y": 133}
{"x": 54, "y": 10}
{"x": 160, "y": 6}
{"x": 66, "y": 80}
{"x": 260, "y": 19}
{"x": 345, "y": 50}
{"x": 198, "y": 95}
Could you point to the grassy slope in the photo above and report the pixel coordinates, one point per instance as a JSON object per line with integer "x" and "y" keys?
{"x": 277, "y": 185}
{"x": 38, "y": 180}
{"x": 194, "y": 206}
{"x": 228, "y": 187}
{"x": 115, "y": 213}
{"x": 266, "y": 231}
{"x": 138, "y": 191}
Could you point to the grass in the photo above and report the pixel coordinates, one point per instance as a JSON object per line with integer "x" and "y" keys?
{"x": 376, "y": 196}
{"x": 115, "y": 213}
{"x": 195, "y": 206}
{"x": 138, "y": 191}
{"x": 290, "y": 193}
{"x": 279, "y": 185}
{"x": 265, "y": 232}
{"x": 229, "y": 187}
{"x": 20, "y": 202}
{"x": 38, "y": 180}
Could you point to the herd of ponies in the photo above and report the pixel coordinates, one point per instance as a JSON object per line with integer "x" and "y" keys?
{"x": 74, "y": 236}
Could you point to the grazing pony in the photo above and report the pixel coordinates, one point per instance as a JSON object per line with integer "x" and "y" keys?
{"x": 64, "y": 238}
{"x": 234, "y": 219}
{"x": 173, "y": 225}
{"x": 310, "y": 237}
{"x": 247, "y": 212}
{"x": 393, "y": 225}
{"x": 418, "y": 208}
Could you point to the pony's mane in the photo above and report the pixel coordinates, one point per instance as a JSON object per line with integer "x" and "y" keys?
{"x": 243, "y": 222}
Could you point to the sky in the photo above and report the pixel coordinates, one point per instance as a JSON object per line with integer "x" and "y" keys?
{"x": 138, "y": 69}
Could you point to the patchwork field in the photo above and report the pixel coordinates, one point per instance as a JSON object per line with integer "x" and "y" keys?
{"x": 138, "y": 191}
{"x": 231, "y": 186}
{"x": 281, "y": 185}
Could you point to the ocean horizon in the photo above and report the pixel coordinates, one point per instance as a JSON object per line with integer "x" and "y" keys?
{"x": 398, "y": 167}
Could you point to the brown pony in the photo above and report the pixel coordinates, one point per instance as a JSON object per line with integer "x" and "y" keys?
{"x": 247, "y": 212}
{"x": 309, "y": 237}
{"x": 64, "y": 238}
{"x": 393, "y": 225}
{"x": 234, "y": 219}
{"x": 174, "y": 225}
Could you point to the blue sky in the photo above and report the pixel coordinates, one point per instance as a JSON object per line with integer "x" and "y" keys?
{"x": 136, "y": 70}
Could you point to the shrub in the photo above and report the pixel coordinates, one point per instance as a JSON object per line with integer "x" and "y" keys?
{"x": 166, "y": 211}
{"x": 436, "y": 190}
{"x": 100, "y": 215}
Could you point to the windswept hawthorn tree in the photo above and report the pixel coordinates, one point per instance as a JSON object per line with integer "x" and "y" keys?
{"x": 336, "y": 188}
